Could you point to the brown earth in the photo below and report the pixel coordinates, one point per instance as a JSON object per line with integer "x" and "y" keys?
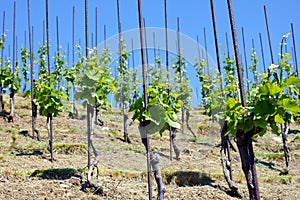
{"x": 27, "y": 173}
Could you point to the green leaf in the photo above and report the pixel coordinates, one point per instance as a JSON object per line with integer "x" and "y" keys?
{"x": 270, "y": 89}
{"x": 274, "y": 128}
{"x": 289, "y": 105}
{"x": 157, "y": 114}
{"x": 261, "y": 123}
{"x": 172, "y": 123}
{"x": 279, "y": 119}
{"x": 263, "y": 109}
{"x": 292, "y": 80}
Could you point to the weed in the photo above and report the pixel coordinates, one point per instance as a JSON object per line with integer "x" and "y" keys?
{"x": 23, "y": 112}
{"x": 202, "y": 128}
{"x": 15, "y": 173}
{"x": 113, "y": 132}
{"x": 69, "y": 148}
{"x": 73, "y": 130}
{"x": 14, "y": 137}
{"x": 134, "y": 148}
{"x": 11, "y": 130}
{"x": 195, "y": 139}
{"x": 270, "y": 156}
{"x": 277, "y": 179}
{"x": 297, "y": 138}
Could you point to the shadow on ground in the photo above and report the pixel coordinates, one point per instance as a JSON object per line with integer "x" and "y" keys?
{"x": 270, "y": 165}
{"x": 56, "y": 173}
{"x": 33, "y": 153}
{"x": 189, "y": 178}
{"x": 192, "y": 178}
{"x": 293, "y": 131}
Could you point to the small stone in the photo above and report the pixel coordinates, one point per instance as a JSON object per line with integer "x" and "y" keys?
{"x": 278, "y": 140}
{"x": 75, "y": 181}
{"x": 64, "y": 186}
{"x": 186, "y": 151}
{"x": 104, "y": 129}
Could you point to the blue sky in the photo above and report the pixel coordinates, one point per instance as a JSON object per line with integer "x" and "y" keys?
{"x": 194, "y": 16}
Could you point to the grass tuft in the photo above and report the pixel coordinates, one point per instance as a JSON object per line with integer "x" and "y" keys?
{"x": 69, "y": 148}
{"x": 270, "y": 156}
{"x": 113, "y": 132}
{"x": 195, "y": 139}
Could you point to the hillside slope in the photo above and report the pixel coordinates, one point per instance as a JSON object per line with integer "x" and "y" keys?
{"x": 27, "y": 173}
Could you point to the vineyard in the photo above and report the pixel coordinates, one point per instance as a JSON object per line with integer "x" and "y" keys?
{"x": 26, "y": 172}
{"x": 119, "y": 123}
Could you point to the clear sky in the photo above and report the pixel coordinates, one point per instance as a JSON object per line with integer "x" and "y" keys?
{"x": 194, "y": 16}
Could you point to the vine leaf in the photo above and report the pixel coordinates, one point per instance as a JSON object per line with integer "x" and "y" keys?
{"x": 270, "y": 89}
{"x": 292, "y": 80}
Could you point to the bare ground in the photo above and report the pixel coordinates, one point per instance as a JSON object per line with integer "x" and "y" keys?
{"x": 27, "y": 173}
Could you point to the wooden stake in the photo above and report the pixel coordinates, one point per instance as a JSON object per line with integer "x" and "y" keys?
{"x": 154, "y": 48}
{"x": 31, "y": 71}
{"x": 216, "y": 41}
{"x": 146, "y": 44}
{"x": 206, "y": 51}
{"x": 89, "y": 120}
{"x": 14, "y": 39}
{"x": 12, "y": 92}
{"x": 198, "y": 49}
{"x": 245, "y": 58}
{"x": 44, "y": 40}
{"x": 48, "y": 38}
{"x": 269, "y": 36}
{"x": 244, "y": 140}
{"x": 57, "y": 35}
{"x": 104, "y": 35}
{"x": 167, "y": 42}
{"x": 262, "y": 53}
{"x": 73, "y": 39}
{"x": 96, "y": 29}
{"x": 180, "y": 70}
{"x": 25, "y": 36}
{"x": 132, "y": 54}
{"x": 167, "y": 69}
{"x": 3, "y": 33}
{"x": 49, "y": 117}
{"x": 295, "y": 52}
{"x": 145, "y": 94}
{"x": 227, "y": 45}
